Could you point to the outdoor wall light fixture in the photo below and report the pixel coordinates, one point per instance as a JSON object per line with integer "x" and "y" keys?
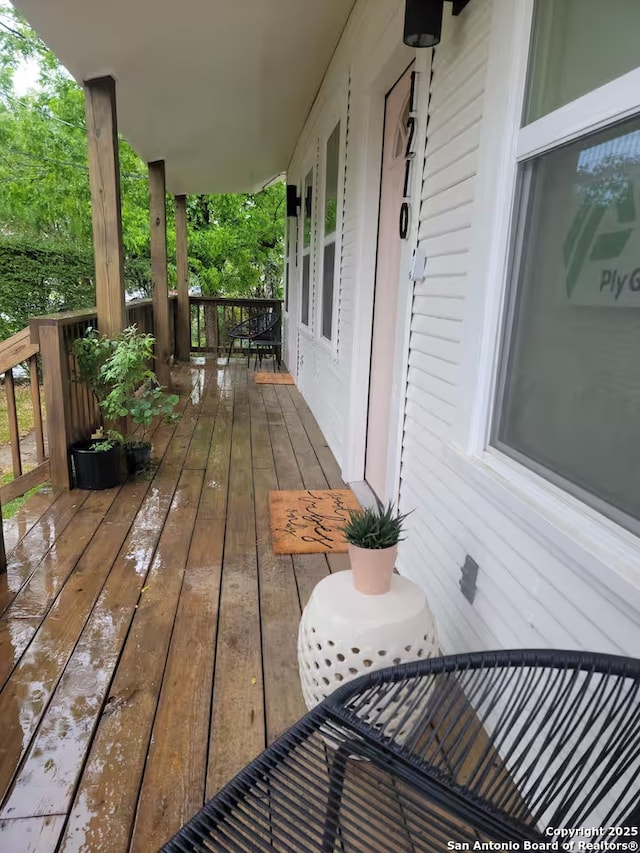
{"x": 293, "y": 200}
{"x": 423, "y": 21}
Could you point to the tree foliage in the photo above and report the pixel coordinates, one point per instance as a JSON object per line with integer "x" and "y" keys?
{"x": 235, "y": 241}
{"x": 40, "y": 276}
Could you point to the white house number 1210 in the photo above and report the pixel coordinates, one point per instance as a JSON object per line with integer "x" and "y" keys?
{"x": 409, "y": 154}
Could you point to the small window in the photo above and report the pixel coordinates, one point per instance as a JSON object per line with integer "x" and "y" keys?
{"x": 579, "y": 45}
{"x": 305, "y": 289}
{"x": 307, "y": 228}
{"x": 331, "y": 182}
{"x": 332, "y": 164}
{"x": 308, "y": 208}
{"x": 327, "y": 289}
{"x": 286, "y": 285}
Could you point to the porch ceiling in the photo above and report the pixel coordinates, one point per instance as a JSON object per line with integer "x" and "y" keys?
{"x": 219, "y": 89}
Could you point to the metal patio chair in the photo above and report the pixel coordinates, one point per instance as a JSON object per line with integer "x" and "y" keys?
{"x": 495, "y": 746}
{"x": 260, "y": 331}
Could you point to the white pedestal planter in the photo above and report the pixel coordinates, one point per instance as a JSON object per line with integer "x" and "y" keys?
{"x": 344, "y": 633}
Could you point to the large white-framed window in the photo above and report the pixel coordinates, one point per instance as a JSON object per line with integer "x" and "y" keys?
{"x": 568, "y": 396}
{"x": 306, "y": 216}
{"x": 329, "y": 232}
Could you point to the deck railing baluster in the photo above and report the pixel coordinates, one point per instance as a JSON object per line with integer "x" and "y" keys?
{"x": 12, "y": 415}
{"x": 3, "y": 553}
{"x": 17, "y": 350}
{"x": 214, "y": 316}
{"x": 72, "y": 413}
{"x": 36, "y": 404}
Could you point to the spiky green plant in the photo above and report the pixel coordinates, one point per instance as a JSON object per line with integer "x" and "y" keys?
{"x": 374, "y": 527}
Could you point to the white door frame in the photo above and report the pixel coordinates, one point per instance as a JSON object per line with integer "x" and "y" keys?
{"x": 391, "y": 59}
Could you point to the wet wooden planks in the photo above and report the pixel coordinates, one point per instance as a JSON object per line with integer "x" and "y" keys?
{"x": 173, "y": 786}
{"x": 237, "y": 721}
{"x": 119, "y": 749}
{"x": 31, "y": 835}
{"x": 35, "y": 545}
{"x": 148, "y": 643}
{"x": 279, "y": 600}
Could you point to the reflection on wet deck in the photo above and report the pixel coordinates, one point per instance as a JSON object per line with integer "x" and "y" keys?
{"x": 148, "y": 633}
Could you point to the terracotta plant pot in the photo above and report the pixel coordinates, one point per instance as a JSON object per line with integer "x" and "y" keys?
{"x": 372, "y": 568}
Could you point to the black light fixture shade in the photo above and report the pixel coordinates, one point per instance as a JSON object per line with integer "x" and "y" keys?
{"x": 293, "y": 200}
{"x": 423, "y": 22}
{"x": 458, "y": 6}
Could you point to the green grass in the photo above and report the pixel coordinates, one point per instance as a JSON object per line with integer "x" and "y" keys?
{"x": 25, "y": 426}
{"x": 10, "y": 509}
{"x": 25, "y": 413}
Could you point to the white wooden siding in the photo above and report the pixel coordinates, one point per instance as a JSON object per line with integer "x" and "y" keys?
{"x": 538, "y": 585}
{"x": 344, "y": 322}
{"x": 530, "y": 592}
{"x": 325, "y": 371}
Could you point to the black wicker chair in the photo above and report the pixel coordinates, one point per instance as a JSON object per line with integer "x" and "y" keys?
{"x": 260, "y": 331}
{"x": 513, "y": 746}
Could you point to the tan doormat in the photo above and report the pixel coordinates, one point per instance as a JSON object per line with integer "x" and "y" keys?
{"x": 308, "y": 522}
{"x": 273, "y": 379}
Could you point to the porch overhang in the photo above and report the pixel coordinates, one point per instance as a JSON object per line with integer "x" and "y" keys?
{"x": 218, "y": 89}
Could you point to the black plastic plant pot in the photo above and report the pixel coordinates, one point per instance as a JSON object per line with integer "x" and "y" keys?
{"x": 138, "y": 456}
{"x": 97, "y": 469}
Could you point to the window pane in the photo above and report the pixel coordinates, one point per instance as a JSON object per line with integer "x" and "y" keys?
{"x": 571, "y": 398}
{"x": 307, "y": 202}
{"x": 327, "y": 289}
{"x": 305, "y": 290}
{"x": 577, "y": 46}
{"x": 286, "y": 285}
{"x": 331, "y": 182}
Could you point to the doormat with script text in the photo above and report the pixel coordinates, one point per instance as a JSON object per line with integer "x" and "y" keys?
{"x": 309, "y": 522}
{"x": 273, "y": 379}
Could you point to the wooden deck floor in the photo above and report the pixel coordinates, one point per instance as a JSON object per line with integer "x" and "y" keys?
{"x": 148, "y": 633}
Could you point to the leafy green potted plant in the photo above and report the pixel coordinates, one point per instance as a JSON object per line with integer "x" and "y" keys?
{"x": 98, "y": 461}
{"x": 373, "y": 535}
{"x": 135, "y": 394}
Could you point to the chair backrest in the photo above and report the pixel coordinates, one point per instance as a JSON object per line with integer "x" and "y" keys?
{"x": 550, "y": 739}
{"x": 261, "y": 324}
{"x": 256, "y": 326}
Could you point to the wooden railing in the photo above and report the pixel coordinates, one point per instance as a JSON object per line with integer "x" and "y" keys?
{"x": 212, "y": 317}
{"x": 72, "y": 411}
{"x": 17, "y": 350}
{"x": 140, "y": 313}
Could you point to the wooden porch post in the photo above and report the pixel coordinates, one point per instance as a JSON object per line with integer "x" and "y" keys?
{"x": 158, "y": 218}
{"x": 48, "y": 332}
{"x": 104, "y": 179}
{"x": 183, "y": 336}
